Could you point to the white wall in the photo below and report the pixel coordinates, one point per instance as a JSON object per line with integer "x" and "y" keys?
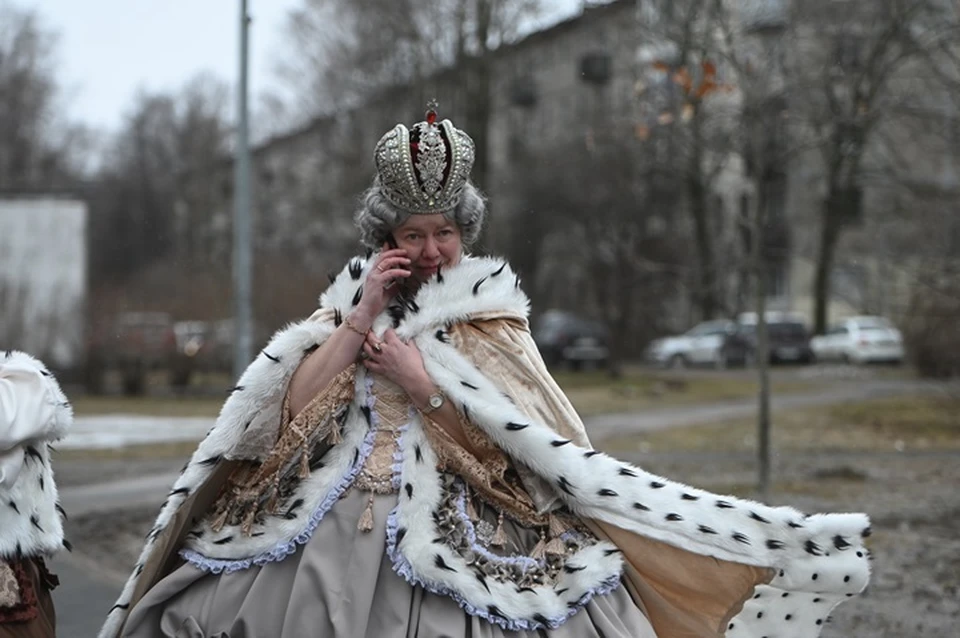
{"x": 43, "y": 277}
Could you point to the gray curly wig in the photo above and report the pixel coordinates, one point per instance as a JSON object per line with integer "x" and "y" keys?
{"x": 377, "y": 217}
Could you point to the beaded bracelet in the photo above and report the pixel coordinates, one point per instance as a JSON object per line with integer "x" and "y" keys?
{"x": 349, "y": 324}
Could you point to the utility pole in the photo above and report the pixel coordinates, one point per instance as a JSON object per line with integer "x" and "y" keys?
{"x": 242, "y": 236}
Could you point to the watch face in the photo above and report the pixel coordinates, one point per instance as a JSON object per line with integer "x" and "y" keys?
{"x": 436, "y": 401}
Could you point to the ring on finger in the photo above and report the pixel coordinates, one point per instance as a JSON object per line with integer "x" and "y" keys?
{"x": 380, "y": 268}
{"x": 377, "y": 348}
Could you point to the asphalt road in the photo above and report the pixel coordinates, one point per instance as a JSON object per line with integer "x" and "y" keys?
{"x": 87, "y": 593}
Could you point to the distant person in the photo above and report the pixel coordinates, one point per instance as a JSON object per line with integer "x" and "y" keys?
{"x": 401, "y": 464}
{"x": 33, "y": 413}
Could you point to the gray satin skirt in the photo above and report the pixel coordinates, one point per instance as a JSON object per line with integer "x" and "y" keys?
{"x": 341, "y": 584}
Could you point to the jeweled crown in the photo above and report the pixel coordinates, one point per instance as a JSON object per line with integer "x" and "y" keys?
{"x": 423, "y": 169}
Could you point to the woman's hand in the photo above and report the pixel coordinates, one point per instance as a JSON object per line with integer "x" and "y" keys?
{"x": 382, "y": 284}
{"x": 398, "y": 361}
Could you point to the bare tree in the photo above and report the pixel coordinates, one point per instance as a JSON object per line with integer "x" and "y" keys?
{"x": 681, "y": 50}
{"x": 165, "y": 137}
{"x": 845, "y": 82}
{"x": 343, "y": 51}
{"x": 35, "y": 138}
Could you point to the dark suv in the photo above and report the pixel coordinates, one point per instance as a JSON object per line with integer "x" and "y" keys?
{"x": 788, "y": 337}
{"x": 565, "y": 338}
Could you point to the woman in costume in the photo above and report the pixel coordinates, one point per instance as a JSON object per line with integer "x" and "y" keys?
{"x": 402, "y": 464}
{"x": 33, "y": 414}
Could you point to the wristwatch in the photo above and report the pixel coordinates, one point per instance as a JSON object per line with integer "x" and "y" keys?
{"x": 434, "y": 402}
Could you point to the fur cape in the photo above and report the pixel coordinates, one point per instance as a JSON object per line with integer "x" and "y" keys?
{"x": 814, "y": 561}
{"x": 31, "y": 519}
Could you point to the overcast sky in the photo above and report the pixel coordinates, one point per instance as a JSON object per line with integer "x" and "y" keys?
{"x": 110, "y": 48}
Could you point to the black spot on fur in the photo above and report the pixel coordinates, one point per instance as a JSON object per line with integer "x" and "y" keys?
{"x": 689, "y": 497}
{"x": 775, "y": 544}
{"x": 36, "y": 522}
{"x": 356, "y": 456}
{"x": 271, "y": 357}
{"x": 337, "y": 317}
{"x": 607, "y": 492}
{"x": 469, "y": 385}
{"x": 866, "y": 532}
{"x": 657, "y": 485}
{"x": 540, "y": 618}
{"x": 611, "y": 552}
{"x": 724, "y": 505}
{"x": 224, "y": 541}
{"x": 759, "y": 518}
{"x": 367, "y": 414}
{"x": 476, "y": 286}
{"x": 33, "y": 453}
{"x": 213, "y": 460}
{"x": 560, "y": 442}
{"x": 591, "y": 453}
{"x": 409, "y": 489}
{"x": 331, "y": 277}
{"x": 13, "y": 504}
{"x": 439, "y": 275}
{"x": 67, "y": 545}
{"x": 499, "y": 270}
{"x": 483, "y": 581}
{"x": 419, "y": 453}
{"x": 291, "y": 512}
{"x": 795, "y": 525}
{"x": 522, "y": 590}
{"x": 573, "y": 569}
{"x": 565, "y": 485}
{"x": 493, "y": 610}
{"x": 311, "y": 349}
{"x": 516, "y": 427}
{"x": 63, "y": 512}
{"x": 443, "y": 338}
{"x": 236, "y": 388}
{"x": 439, "y": 563}
{"x": 42, "y": 483}
{"x": 641, "y": 507}
{"x": 45, "y": 373}
{"x": 180, "y": 491}
{"x": 356, "y": 269}
{"x": 357, "y": 295}
{"x": 840, "y": 542}
{"x": 741, "y": 538}
{"x": 813, "y": 548}
{"x": 674, "y": 518}
{"x": 626, "y": 471}
{"x": 119, "y": 606}
{"x": 401, "y": 533}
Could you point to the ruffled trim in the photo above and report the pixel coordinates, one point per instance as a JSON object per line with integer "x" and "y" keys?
{"x": 406, "y": 571}
{"x": 284, "y": 549}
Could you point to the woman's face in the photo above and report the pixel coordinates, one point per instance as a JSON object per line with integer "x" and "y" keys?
{"x": 431, "y": 242}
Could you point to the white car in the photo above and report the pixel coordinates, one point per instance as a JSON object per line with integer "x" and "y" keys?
{"x": 860, "y": 340}
{"x": 702, "y": 344}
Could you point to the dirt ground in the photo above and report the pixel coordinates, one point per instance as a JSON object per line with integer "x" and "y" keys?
{"x": 912, "y": 498}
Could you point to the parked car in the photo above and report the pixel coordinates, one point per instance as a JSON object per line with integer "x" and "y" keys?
{"x": 707, "y": 343}
{"x": 133, "y": 344}
{"x": 568, "y": 339}
{"x": 860, "y": 340}
{"x": 788, "y": 337}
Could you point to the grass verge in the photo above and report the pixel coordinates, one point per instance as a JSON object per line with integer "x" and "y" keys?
{"x": 908, "y": 423}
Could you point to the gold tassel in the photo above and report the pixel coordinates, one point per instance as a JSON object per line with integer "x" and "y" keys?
{"x": 304, "y": 464}
{"x": 365, "y": 524}
{"x": 221, "y": 519}
{"x": 500, "y": 538}
{"x": 471, "y": 508}
{"x": 540, "y": 548}
{"x": 336, "y": 436}
{"x": 246, "y": 525}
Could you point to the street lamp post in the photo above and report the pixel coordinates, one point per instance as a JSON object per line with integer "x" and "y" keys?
{"x": 242, "y": 239}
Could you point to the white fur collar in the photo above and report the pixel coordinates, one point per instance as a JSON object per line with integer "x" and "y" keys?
{"x": 477, "y": 285}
